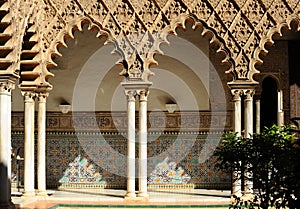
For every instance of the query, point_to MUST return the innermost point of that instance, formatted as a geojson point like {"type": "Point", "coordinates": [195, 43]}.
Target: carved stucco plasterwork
{"type": "Point", "coordinates": [137, 28]}
{"type": "Point", "coordinates": [13, 20]}
{"type": "Point", "coordinates": [18, 18]}
{"type": "Point", "coordinates": [34, 72]}
{"type": "Point", "coordinates": [18, 13]}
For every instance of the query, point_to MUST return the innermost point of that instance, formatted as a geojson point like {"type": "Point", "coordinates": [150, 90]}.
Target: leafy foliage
{"type": "Point", "coordinates": [273, 160]}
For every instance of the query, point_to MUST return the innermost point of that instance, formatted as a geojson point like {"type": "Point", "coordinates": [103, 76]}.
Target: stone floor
{"type": "Point", "coordinates": [108, 198]}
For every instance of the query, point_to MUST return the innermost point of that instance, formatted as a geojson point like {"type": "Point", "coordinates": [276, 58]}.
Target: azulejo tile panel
{"type": "Point", "coordinates": [98, 160]}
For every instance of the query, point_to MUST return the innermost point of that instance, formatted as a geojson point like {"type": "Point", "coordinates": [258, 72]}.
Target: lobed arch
{"type": "Point", "coordinates": [292, 24]}
{"type": "Point", "coordinates": [147, 58]}
{"type": "Point", "coordinates": [219, 50]}
{"type": "Point", "coordinates": [103, 16]}
{"type": "Point", "coordinates": [68, 32]}
{"type": "Point", "coordinates": [214, 39]}
{"type": "Point", "coordinates": [241, 34]}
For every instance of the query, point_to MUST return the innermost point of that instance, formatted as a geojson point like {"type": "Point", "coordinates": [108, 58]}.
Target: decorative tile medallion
{"type": "Point", "coordinates": [81, 173]}
{"type": "Point", "coordinates": [168, 173]}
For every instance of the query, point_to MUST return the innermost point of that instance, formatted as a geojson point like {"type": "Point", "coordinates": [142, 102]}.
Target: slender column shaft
{"type": "Point", "coordinates": [280, 113]}
{"type": "Point", "coordinates": [5, 146]}
{"type": "Point", "coordinates": [236, 175]}
{"type": "Point", "coordinates": [131, 144]}
{"type": "Point", "coordinates": [41, 164]}
{"type": "Point", "coordinates": [29, 144]}
{"type": "Point", "coordinates": [237, 114]}
{"type": "Point", "coordinates": [249, 130]}
{"type": "Point", "coordinates": [143, 145]}
{"type": "Point", "coordinates": [257, 119]}
{"type": "Point", "coordinates": [9, 146]}
{"type": "Point", "coordinates": [248, 113]}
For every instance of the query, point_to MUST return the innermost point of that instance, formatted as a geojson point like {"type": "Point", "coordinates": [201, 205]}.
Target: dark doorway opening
{"type": "Point", "coordinates": [269, 102]}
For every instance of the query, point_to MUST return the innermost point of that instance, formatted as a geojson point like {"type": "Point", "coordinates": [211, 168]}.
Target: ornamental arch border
{"type": "Point", "coordinates": [70, 19]}
{"type": "Point", "coordinates": [268, 40]}
{"type": "Point", "coordinates": [180, 21]}
{"type": "Point", "coordinates": [205, 30]}
{"type": "Point", "coordinates": [69, 33]}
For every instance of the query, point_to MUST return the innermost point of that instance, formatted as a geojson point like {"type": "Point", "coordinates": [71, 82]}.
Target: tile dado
{"type": "Point", "coordinates": [117, 121]}
{"type": "Point", "coordinates": [176, 160]}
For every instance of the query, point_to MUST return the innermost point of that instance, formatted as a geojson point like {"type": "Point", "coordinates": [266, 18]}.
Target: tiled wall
{"type": "Point", "coordinates": [175, 159]}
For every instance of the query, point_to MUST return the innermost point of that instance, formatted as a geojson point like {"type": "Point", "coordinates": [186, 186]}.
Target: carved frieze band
{"type": "Point", "coordinates": [157, 121]}
{"type": "Point", "coordinates": [138, 27]}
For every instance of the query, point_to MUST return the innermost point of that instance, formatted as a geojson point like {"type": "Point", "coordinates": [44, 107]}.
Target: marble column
{"type": "Point", "coordinates": [236, 175]}
{"type": "Point", "coordinates": [257, 117]}
{"type": "Point", "coordinates": [5, 145]}
{"type": "Point", "coordinates": [280, 113]}
{"type": "Point", "coordinates": [143, 144]}
{"type": "Point", "coordinates": [131, 94]}
{"type": "Point", "coordinates": [237, 111]}
{"type": "Point", "coordinates": [248, 112]}
{"type": "Point", "coordinates": [41, 155]}
{"type": "Point", "coordinates": [29, 98]}
{"type": "Point", "coordinates": [248, 104]}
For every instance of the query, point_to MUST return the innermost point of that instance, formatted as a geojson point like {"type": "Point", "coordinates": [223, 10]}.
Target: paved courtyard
{"type": "Point", "coordinates": [108, 198]}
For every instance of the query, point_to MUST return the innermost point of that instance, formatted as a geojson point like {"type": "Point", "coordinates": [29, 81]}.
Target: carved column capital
{"type": "Point", "coordinates": [143, 94]}
{"type": "Point", "coordinates": [29, 96]}
{"type": "Point", "coordinates": [42, 97]}
{"type": "Point", "coordinates": [6, 87]}
{"type": "Point", "coordinates": [131, 94]}
{"type": "Point", "coordinates": [136, 88]}
{"type": "Point", "coordinates": [249, 93]}
{"type": "Point", "coordinates": [236, 94]}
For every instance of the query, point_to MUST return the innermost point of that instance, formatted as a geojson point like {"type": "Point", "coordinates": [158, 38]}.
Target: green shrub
{"type": "Point", "coordinates": [272, 158]}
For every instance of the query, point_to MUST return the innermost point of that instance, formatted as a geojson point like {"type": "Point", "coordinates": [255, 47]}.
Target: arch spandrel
{"type": "Point", "coordinates": [242, 26]}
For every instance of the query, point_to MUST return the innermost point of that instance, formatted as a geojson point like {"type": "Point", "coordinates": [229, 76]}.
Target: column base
{"type": "Point", "coordinates": [42, 193]}
{"type": "Point", "coordinates": [143, 194]}
{"type": "Point", "coordinates": [29, 194]}
{"type": "Point", "coordinates": [130, 194]}
{"type": "Point", "coordinates": [8, 205]}
{"type": "Point", "coordinates": [136, 199]}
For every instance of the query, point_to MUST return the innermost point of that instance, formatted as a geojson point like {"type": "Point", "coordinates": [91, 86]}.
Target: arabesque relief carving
{"type": "Point", "coordinates": [241, 28]}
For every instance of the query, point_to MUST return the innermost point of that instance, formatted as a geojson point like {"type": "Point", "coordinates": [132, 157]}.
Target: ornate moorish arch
{"type": "Point", "coordinates": [59, 18]}
{"type": "Point", "coordinates": [126, 41]}
{"type": "Point", "coordinates": [267, 38]}
{"type": "Point", "coordinates": [242, 25]}
{"type": "Point", "coordinates": [148, 58]}
{"type": "Point", "coordinates": [33, 30]}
